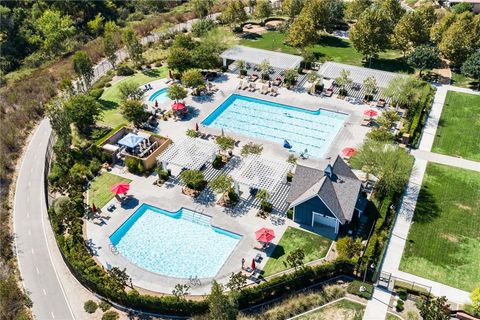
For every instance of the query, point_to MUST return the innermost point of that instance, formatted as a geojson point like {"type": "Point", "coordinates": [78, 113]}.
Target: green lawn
{"type": "Point", "coordinates": [460, 80]}
{"type": "Point", "coordinates": [100, 189]}
{"type": "Point", "coordinates": [459, 127]}
{"type": "Point", "coordinates": [110, 98]}
{"type": "Point", "coordinates": [444, 240]}
{"type": "Point", "coordinates": [331, 49]}
{"type": "Point", "coordinates": [313, 245]}
{"type": "Point", "coordinates": [341, 310]}
{"type": "Point", "coordinates": [391, 317]}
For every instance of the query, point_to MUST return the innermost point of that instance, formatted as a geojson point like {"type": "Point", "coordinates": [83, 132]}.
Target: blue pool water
{"type": "Point", "coordinates": [303, 129]}
{"type": "Point", "coordinates": [176, 244]}
{"type": "Point", "coordinates": [159, 95]}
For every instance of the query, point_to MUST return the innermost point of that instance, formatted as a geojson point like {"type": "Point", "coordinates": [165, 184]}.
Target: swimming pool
{"type": "Point", "coordinates": [176, 244]}
{"type": "Point", "coordinates": [303, 129]}
{"type": "Point", "coordinates": [159, 95]}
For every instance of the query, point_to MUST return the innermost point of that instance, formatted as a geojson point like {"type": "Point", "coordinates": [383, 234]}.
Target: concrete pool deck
{"type": "Point", "coordinates": [242, 221]}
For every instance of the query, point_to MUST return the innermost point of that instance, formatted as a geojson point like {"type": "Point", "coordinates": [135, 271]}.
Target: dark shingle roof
{"type": "Point", "coordinates": [339, 192]}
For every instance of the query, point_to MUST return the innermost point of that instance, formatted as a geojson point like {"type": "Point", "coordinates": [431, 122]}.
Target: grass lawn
{"type": "Point", "coordinates": [461, 80]}
{"type": "Point", "coordinates": [459, 126]}
{"type": "Point", "coordinates": [110, 98]}
{"type": "Point", "coordinates": [444, 240]}
{"type": "Point", "coordinates": [392, 317]}
{"type": "Point", "coordinates": [313, 245]}
{"type": "Point", "coordinates": [331, 49]}
{"type": "Point", "coordinates": [100, 189]}
{"type": "Point", "coordinates": [341, 310]}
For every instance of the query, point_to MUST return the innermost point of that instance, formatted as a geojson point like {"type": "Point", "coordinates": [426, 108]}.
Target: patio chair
{"type": "Point", "coordinates": [240, 85]}
{"type": "Point", "coordinates": [264, 89]}
{"type": "Point", "coordinates": [274, 92]}
{"type": "Point", "coordinates": [252, 87]}
{"type": "Point", "coordinates": [246, 85]}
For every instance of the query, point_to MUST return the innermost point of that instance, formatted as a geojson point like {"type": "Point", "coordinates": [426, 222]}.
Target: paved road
{"type": "Point", "coordinates": [31, 226]}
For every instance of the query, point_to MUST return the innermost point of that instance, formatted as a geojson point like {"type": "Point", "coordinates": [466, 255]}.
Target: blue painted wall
{"type": "Point", "coordinates": [304, 211]}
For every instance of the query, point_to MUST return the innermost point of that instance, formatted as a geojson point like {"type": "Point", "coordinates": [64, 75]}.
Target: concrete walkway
{"type": "Point", "coordinates": [377, 307]}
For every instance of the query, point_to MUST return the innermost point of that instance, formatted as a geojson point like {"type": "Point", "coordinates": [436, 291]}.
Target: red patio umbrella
{"type": "Point", "coordinates": [265, 235]}
{"type": "Point", "coordinates": [370, 113]}
{"type": "Point", "coordinates": [253, 264]}
{"type": "Point", "coordinates": [156, 104]}
{"type": "Point", "coordinates": [94, 208]}
{"type": "Point", "coordinates": [196, 127]}
{"type": "Point", "coordinates": [120, 188]}
{"type": "Point", "coordinates": [177, 106]}
{"type": "Point", "coordinates": [349, 152]}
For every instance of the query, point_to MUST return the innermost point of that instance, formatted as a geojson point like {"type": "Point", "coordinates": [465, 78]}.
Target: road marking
{"type": "Point", "coordinates": [53, 316]}
{"type": "Point", "coordinates": [38, 271]}
{"type": "Point", "coordinates": [29, 232]}
{"type": "Point", "coordinates": [44, 292]}
{"type": "Point", "coordinates": [28, 215]}
{"type": "Point", "coordinates": [33, 251]}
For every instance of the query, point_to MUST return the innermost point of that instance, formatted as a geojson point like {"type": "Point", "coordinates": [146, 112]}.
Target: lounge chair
{"type": "Point", "coordinates": [246, 85]}
{"type": "Point", "coordinates": [252, 87]}
{"type": "Point", "coordinates": [274, 92]}
{"type": "Point", "coordinates": [240, 85]}
{"type": "Point", "coordinates": [264, 89]}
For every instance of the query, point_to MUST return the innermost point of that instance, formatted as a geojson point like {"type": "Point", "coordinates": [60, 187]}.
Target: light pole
{"type": "Point", "coordinates": [372, 266]}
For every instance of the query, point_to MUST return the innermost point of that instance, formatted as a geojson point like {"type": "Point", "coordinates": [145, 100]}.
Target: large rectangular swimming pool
{"type": "Point", "coordinates": [179, 244]}
{"type": "Point", "coordinates": [303, 129]}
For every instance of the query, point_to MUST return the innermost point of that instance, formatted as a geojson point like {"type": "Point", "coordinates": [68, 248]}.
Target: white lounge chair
{"type": "Point", "coordinates": [245, 85]}
{"type": "Point", "coordinates": [240, 85]}
{"type": "Point", "coordinates": [264, 89]}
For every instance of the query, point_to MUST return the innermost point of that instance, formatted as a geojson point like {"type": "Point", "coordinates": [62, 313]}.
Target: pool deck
{"type": "Point", "coordinates": [243, 220]}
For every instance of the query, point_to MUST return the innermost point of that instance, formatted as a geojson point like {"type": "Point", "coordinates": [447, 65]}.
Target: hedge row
{"type": "Point", "coordinates": [420, 118]}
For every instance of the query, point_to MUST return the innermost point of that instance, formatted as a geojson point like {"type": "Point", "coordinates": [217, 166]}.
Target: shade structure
{"type": "Point", "coordinates": [189, 153]}
{"type": "Point", "coordinates": [265, 235]}
{"type": "Point", "coordinates": [349, 152]}
{"type": "Point", "coordinates": [131, 140]}
{"type": "Point", "coordinates": [370, 113]}
{"type": "Point", "coordinates": [120, 188]}
{"type": "Point", "coordinates": [177, 106]}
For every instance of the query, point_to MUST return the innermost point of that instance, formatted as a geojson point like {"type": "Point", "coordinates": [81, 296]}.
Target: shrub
{"type": "Point", "coordinates": [104, 305]}
{"type": "Point", "coordinates": [96, 93]}
{"type": "Point", "coordinates": [233, 196]}
{"type": "Point", "coordinates": [290, 213]}
{"type": "Point", "coordinates": [266, 206]}
{"type": "Point", "coordinates": [124, 71]}
{"type": "Point", "coordinates": [402, 294]}
{"type": "Point", "coordinates": [217, 163]}
{"type": "Point", "coordinates": [201, 27]}
{"type": "Point", "coordinates": [193, 179]}
{"type": "Point", "coordinates": [90, 306]}
{"type": "Point", "coordinates": [193, 133]}
{"type": "Point", "coordinates": [400, 306]}
{"type": "Point", "coordinates": [110, 315]}
{"type": "Point", "coordinates": [134, 166]}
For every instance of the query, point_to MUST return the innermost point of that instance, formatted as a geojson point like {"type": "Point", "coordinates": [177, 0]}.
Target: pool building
{"type": "Point", "coordinates": [330, 198]}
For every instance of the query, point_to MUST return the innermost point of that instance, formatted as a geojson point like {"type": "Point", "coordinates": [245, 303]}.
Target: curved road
{"type": "Point", "coordinates": [32, 228]}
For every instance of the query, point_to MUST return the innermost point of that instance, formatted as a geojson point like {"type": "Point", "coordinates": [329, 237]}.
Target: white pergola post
{"type": "Point", "coordinates": [236, 187]}
{"type": "Point", "coordinates": [224, 62]}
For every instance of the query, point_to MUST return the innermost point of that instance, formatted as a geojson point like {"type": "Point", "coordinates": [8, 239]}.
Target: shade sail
{"type": "Point", "coordinates": [131, 140]}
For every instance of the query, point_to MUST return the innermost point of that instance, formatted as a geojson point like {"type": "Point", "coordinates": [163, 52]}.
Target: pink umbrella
{"type": "Point", "coordinates": [370, 113]}
{"type": "Point", "coordinates": [349, 152]}
{"type": "Point", "coordinates": [177, 106]}
{"type": "Point", "coordinates": [265, 235]}
{"type": "Point", "coordinates": [120, 188]}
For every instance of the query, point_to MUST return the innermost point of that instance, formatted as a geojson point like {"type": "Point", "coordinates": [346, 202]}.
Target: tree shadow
{"type": "Point", "coordinates": [108, 105]}
{"type": "Point", "coordinates": [426, 208]}
{"type": "Point", "coordinates": [278, 252]}
{"type": "Point", "coordinates": [251, 36]}
{"type": "Point", "coordinates": [392, 65]}
{"type": "Point", "coordinates": [331, 41]}
{"type": "Point", "coordinates": [152, 73]}
{"type": "Point", "coordinates": [129, 203]}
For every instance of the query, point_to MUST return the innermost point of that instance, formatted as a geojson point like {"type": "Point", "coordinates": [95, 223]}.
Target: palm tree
{"type": "Point", "coordinates": [222, 184]}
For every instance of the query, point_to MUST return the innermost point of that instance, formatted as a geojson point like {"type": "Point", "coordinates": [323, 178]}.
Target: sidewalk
{"type": "Point", "coordinates": [447, 160]}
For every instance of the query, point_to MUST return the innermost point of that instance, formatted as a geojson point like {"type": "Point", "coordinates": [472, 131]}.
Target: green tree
{"type": "Point", "coordinates": [411, 31]}
{"type": "Point", "coordinates": [263, 9]}
{"type": "Point", "coordinates": [176, 92]}
{"type": "Point", "coordinates": [343, 80]}
{"type": "Point", "coordinates": [52, 33]}
{"type": "Point", "coordinates": [234, 14]}
{"type": "Point", "coordinates": [356, 7]}
{"type": "Point", "coordinates": [369, 35]}
{"type": "Point", "coordinates": [83, 67]}
{"type": "Point", "coordinates": [370, 85]}
{"type": "Point", "coordinates": [380, 134]}
{"type": "Point", "coordinates": [251, 148]}
{"type": "Point", "coordinates": [184, 41]}
{"type": "Point", "coordinates": [180, 290]}
{"type": "Point", "coordinates": [290, 77]}
{"type": "Point", "coordinates": [403, 90]}
{"type": "Point", "coordinates": [95, 26]}
{"type": "Point", "coordinates": [222, 184]}
{"type": "Point", "coordinates": [193, 78]}
{"type": "Point", "coordinates": [265, 69]}
{"type": "Point", "coordinates": [295, 259]}
{"type": "Point", "coordinates": [202, 7]}
{"type": "Point", "coordinates": [442, 26]}
{"type": "Point", "coordinates": [462, 7]}
{"type": "Point", "coordinates": [435, 309]}
{"type": "Point", "coordinates": [130, 91]}
{"type": "Point", "coordinates": [110, 315]}
{"type": "Point", "coordinates": [134, 111]}
{"type": "Point", "coordinates": [388, 118]}
{"type": "Point", "coordinates": [83, 111]}
{"type": "Point", "coordinates": [471, 67]}
{"type": "Point", "coordinates": [348, 248]}
{"type": "Point", "coordinates": [390, 164]}
{"type": "Point", "coordinates": [201, 27]}
{"type": "Point", "coordinates": [302, 32]}
{"type": "Point", "coordinates": [475, 297]}
{"type": "Point", "coordinates": [424, 57]}
{"type": "Point", "coordinates": [221, 306]}
{"type": "Point", "coordinates": [460, 40]}
{"type": "Point", "coordinates": [393, 12]}
{"type": "Point", "coordinates": [110, 42]}
{"type": "Point", "coordinates": [225, 143]}
{"type": "Point", "coordinates": [134, 47]}
{"type": "Point", "coordinates": [193, 179]}
{"type": "Point", "coordinates": [120, 277]}
{"type": "Point", "coordinates": [292, 8]}
{"type": "Point", "coordinates": [237, 281]}
{"type": "Point", "coordinates": [179, 59]}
